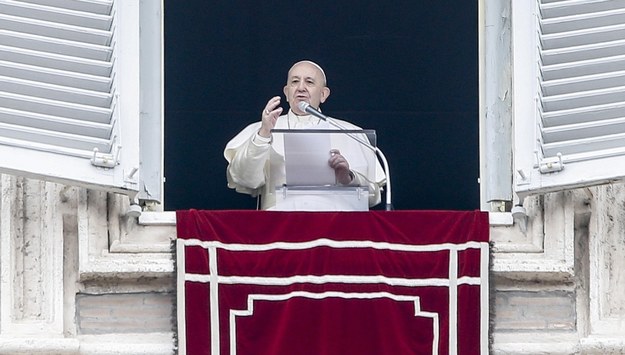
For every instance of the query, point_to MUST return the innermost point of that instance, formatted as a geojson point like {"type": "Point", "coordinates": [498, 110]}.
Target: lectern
{"type": "Point", "coordinates": [310, 182]}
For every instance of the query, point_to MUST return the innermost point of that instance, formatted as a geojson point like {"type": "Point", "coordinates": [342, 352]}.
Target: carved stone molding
{"type": "Point", "coordinates": [607, 261]}
{"type": "Point", "coordinates": [546, 249]}
{"type": "Point", "coordinates": [113, 245]}
{"type": "Point", "coordinates": [31, 258]}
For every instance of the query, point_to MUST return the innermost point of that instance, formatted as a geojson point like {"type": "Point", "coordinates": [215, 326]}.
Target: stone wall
{"type": "Point", "coordinates": [563, 295]}
{"type": "Point", "coordinates": [78, 276]}
{"type": "Point", "coordinates": [125, 313]}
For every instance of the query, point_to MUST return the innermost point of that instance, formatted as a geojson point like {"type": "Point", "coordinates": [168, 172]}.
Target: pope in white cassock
{"type": "Point", "coordinates": [256, 156]}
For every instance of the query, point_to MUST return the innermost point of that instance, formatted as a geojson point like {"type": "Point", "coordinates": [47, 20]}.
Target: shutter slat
{"type": "Point", "coordinates": [583, 21]}
{"type": "Point", "coordinates": [585, 145]}
{"type": "Point", "coordinates": [583, 68]}
{"type": "Point", "coordinates": [583, 52]}
{"type": "Point", "coordinates": [19, 132]}
{"type": "Point", "coordinates": [55, 123]}
{"type": "Point", "coordinates": [584, 83]}
{"type": "Point", "coordinates": [584, 114]}
{"type": "Point", "coordinates": [55, 30]}
{"type": "Point", "coordinates": [584, 36]}
{"type": "Point", "coordinates": [55, 14]}
{"type": "Point", "coordinates": [54, 45]}
{"type": "Point", "coordinates": [56, 61]}
{"type": "Point", "coordinates": [55, 92]}
{"type": "Point", "coordinates": [101, 7]}
{"type": "Point", "coordinates": [584, 130]}
{"type": "Point", "coordinates": [55, 108]}
{"type": "Point", "coordinates": [57, 77]}
{"type": "Point", "coordinates": [584, 99]}
{"type": "Point", "coordinates": [558, 8]}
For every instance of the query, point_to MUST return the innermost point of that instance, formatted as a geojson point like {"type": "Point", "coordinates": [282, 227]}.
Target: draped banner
{"type": "Point", "coordinates": [332, 283]}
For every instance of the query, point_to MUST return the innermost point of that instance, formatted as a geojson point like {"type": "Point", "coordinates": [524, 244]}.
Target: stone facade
{"type": "Point", "coordinates": [77, 276]}
{"type": "Point", "coordinates": [557, 288]}
{"type": "Point", "coordinates": [557, 275]}
{"type": "Point", "coordinates": [80, 277]}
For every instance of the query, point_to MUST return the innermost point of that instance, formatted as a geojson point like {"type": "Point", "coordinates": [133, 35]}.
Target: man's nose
{"type": "Point", "coordinates": [301, 86]}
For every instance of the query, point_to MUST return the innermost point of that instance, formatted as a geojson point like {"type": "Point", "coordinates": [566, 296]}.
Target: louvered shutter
{"type": "Point", "coordinates": [568, 93]}
{"type": "Point", "coordinates": [70, 91]}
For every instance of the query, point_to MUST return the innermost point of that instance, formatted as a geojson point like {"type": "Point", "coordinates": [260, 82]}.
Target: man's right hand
{"type": "Point", "coordinates": [269, 116]}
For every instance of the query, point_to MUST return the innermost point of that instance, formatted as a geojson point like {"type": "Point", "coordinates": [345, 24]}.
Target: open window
{"type": "Point", "coordinates": [81, 93]}
{"type": "Point", "coordinates": [568, 93]}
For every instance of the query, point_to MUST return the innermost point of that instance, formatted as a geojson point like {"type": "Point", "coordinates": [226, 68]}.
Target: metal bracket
{"type": "Point", "coordinates": [105, 160]}
{"type": "Point", "coordinates": [550, 165]}
{"type": "Point", "coordinates": [131, 177]}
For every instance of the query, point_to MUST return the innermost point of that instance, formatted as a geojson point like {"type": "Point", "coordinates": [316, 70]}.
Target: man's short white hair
{"type": "Point", "coordinates": [323, 73]}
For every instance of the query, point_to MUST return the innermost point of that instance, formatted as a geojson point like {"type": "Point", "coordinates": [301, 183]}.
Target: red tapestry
{"type": "Point", "coordinates": [332, 283]}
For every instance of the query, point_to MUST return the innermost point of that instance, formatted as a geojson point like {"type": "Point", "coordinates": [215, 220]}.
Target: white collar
{"type": "Point", "coordinates": [301, 120]}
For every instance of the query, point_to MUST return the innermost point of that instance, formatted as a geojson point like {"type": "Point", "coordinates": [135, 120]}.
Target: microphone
{"type": "Point", "coordinates": [305, 106]}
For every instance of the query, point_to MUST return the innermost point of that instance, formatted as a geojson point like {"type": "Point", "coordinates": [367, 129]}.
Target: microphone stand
{"type": "Point", "coordinates": [376, 150]}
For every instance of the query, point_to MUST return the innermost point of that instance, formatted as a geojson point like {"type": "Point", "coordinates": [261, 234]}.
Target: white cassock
{"type": "Point", "coordinates": [257, 165]}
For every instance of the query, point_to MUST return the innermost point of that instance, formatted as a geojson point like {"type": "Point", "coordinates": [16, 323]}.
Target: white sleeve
{"type": "Point", "coordinates": [247, 155]}
{"type": "Point", "coordinates": [361, 178]}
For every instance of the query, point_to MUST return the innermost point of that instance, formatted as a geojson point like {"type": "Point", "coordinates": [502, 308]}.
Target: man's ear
{"type": "Point", "coordinates": [325, 92]}
{"type": "Point", "coordinates": [285, 93]}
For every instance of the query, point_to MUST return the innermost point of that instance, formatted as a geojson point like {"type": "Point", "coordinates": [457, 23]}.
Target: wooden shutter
{"type": "Point", "coordinates": [569, 93]}
{"type": "Point", "coordinates": [70, 85]}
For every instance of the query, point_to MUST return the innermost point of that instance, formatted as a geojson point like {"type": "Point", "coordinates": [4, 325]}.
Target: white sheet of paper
{"type": "Point", "coordinates": [306, 156]}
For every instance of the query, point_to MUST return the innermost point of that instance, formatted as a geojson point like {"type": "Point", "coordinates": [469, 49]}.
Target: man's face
{"type": "Point", "coordinates": [305, 83]}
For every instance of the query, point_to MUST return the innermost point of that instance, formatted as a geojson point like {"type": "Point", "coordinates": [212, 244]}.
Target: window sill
{"type": "Point", "coordinates": [497, 219]}
{"type": "Point", "coordinates": [168, 218]}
